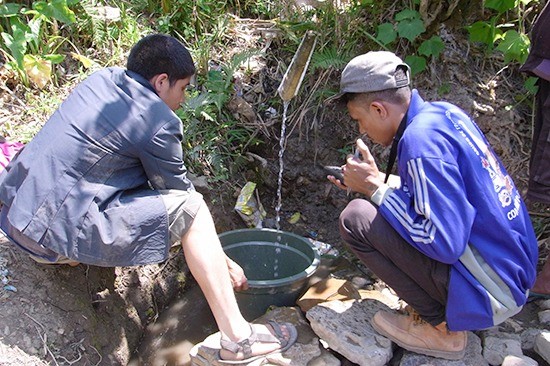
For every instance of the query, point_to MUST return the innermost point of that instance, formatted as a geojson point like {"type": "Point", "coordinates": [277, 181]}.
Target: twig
{"type": "Point", "coordinates": [539, 214]}
{"type": "Point", "coordinates": [71, 362]}
{"type": "Point", "coordinates": [253, 156]}
{"type": "Point", "coordinates": [99, 354]}
{"type": "Point", "coordinates": [43, 338]}
{"type": "Point", "coordinates": [9, 91]}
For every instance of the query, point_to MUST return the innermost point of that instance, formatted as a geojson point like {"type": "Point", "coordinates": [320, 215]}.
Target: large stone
{"type": "Point", "coordinates": [472, 356]}
{"type": "Point", "coordinates": [544, 316]}
{"type": "Point", "coordinates": [519, 361]}
{"type": "Point", "coordinates": [330, 289]}
{"type": "Point", "coordinates": [345, 327]}
{"type": "Point", "coordinates": [544, 305]}
{"type": "Point", "coordinates": [528, 338]}
{"type": "Point", "coordinates": [498, 345]}
{"type": "Point", "coordinates": [542, 345]}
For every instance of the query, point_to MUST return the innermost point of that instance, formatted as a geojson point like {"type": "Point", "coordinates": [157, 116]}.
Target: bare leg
{"type": "Point", "coordinates": [207, 262]}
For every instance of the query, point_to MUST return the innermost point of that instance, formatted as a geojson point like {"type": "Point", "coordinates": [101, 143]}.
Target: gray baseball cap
{"type": "Point", "coordinates": [372, 71]}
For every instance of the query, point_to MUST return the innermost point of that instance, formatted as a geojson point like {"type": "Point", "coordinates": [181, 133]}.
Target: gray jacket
{"type": "Point", "coordinates": [82, 186]}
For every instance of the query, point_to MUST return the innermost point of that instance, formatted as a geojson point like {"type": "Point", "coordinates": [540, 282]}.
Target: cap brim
{"type": "Point", "coordinates": [336, 98]}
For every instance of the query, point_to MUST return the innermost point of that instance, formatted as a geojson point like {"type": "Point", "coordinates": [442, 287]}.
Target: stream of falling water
{"type": "Point", "coordinates": [281, 168]}
{"type": "Point", "coordinates": [280, 190]}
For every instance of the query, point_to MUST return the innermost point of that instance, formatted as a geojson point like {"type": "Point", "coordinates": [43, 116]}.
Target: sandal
{"type": "Point", "coordinates": [245, 346]}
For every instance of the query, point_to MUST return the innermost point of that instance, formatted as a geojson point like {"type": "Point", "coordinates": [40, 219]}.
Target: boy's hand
{"type": "Point", "coordinates": [362, 174]}
{"type": "Point", "coordinates": [236, 273]}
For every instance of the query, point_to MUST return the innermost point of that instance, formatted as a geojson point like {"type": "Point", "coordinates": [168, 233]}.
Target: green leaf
{"type": "Point", "coordinates": [9, 10]}
{"type": "Point", "coordinates": [54, 58]}
{"type": "Point", "coordinates": [386, 33]}
{"type": "Point", "coordinates": [530, 84]}
{"type": "Point", "coordinates": [17, 45]}
{"type": "Point", "coordinates": [56, 9]}
{"type": "Point", "coordinates": [215, 82]}
{"type": "Point", "coordinates": [514, 46]}
{"type": "Point", "coordinates": [432, 47]}
{"type": "Point", "coordinates": [329, 57]}
{"type": "Point", "coordinates": [410, 29]}
{"type": "Point", "coordinates": [444, 89]}
{"type": "Point", "coordinates": [416, 63]}
{"type": "Point", "coordinates": [500, 5]}
{"type": "Point", "coordinates": [484, 32]}
{"type": "Point", "coordinates": [407, 14]}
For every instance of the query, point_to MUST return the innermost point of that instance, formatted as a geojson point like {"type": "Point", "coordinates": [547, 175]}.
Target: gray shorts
{"type": "Point", "coordinates": [181, 207]}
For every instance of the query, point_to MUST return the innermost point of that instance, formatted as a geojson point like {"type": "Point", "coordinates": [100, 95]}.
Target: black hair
{"type": "Point", "coordinates": [159, 53]}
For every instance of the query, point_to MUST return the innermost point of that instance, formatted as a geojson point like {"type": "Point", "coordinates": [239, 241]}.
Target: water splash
{"type": "Point", "coordinates": [281, 169]}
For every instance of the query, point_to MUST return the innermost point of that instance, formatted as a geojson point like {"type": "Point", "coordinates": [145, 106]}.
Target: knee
{"type": "Point", "coordinates": [355, 219]}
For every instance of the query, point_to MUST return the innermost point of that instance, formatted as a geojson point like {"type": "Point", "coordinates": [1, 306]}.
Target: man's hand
{"type": "Point", "coordinates": [236, 273]}
{"type": "Point", "coordinates": [361, 174]}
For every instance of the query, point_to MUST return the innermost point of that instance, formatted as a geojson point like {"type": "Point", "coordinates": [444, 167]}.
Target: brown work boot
{"type": "Point", "coordinates": [413, 334]}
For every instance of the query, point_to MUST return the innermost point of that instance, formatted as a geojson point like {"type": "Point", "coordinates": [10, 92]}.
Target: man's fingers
{"type": "Point", "coordinates": [361, 146]}
{"type": "Point", "coordinates": [364, 149]}
{"type": "Point", "coordinates": [338, 183]}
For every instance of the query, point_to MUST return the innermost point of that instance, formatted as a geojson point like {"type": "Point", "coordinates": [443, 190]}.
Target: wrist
{"type": "Point", "coordinates": [381, 193]}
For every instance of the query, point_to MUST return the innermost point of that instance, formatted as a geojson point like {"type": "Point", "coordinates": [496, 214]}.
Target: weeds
{"type": "Point", "coordinates": [31, 37]}
{"type": "Point", "coordinates": [214, 139]}
{"type": "Point", "coordinates": [37, 40]}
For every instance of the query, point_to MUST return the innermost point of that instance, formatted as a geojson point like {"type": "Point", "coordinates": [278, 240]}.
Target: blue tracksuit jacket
{"type": "Point", "coordinates": [458, 205]}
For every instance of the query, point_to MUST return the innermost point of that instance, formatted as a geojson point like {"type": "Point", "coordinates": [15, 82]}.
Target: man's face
{"type": "Point", "coordinates": [174, 95]}
{"type": "Point", "coordinates": [373, 120]}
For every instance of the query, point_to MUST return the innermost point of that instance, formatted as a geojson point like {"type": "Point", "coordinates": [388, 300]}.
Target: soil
{"type": "Point", "coordinates": [85, 315]}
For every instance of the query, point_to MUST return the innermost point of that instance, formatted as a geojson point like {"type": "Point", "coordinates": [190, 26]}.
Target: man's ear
{"type": "Point", "coordinates": [160, 82]}
{"type": "Point", "coordinates": [379, 109]}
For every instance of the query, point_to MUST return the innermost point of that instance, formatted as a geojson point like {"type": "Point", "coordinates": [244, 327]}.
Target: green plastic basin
{"type": "Point", "coordinates": [278, 265]}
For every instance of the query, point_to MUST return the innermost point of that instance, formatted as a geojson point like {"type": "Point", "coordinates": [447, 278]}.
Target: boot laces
{"type": "Point", "coordinates": [417, 319]}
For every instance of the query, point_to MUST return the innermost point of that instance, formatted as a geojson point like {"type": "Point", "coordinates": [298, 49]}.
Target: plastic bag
{"type": "Point", "coordinates": [249, 207]}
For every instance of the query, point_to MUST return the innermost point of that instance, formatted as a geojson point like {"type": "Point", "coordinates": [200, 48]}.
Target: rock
{"type": "Point", "coordinates": [542, 345]}
{"type": "Point", "coordinates": [200, 182]}
{"type": "Point", "coordinates": [513, 326]}
{"type": "Point", "coordinates": [242, 110]}
{"type": "Point", "coordinates": [498, 345]}
{"type": "Point", "coordinates": [519, 361]}
{"type": "Point", "coordinates": [473, 356]}
{"type": "Point", "coordinates": [327, 290]}
{"type": "Point", "coordinates": [544, 305]}
{"type": "Point", "coordinates": [14, 356]}
{"type": "Point", "coordinates": [528, 337]}
{"type": "Point", "coordinates": [544, 316]}
{"type": "Point", "coordinates": [345, 327]}
{"type": "Point", "coordinates": [326, 359]}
